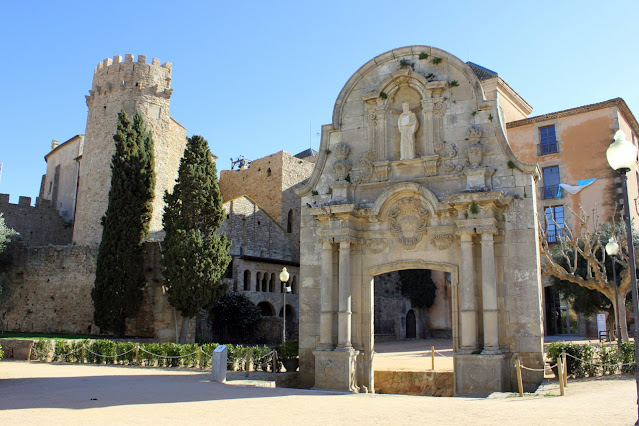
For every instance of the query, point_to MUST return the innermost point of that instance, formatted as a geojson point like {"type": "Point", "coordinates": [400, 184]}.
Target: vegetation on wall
{"type": "Point", "coordinates": [119, 278]}
{"type": "Point", "coordinates": [418, 286]}
{"type": "Point", "coordinates": [194, 255]}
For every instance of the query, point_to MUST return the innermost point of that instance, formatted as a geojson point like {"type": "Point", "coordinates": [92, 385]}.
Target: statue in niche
{"type": "Point", "coordinates": [408, 125]}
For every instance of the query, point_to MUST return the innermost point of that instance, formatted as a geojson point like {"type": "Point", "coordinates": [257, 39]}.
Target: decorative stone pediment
{"type": "Point", "coordinates": [408, 221]}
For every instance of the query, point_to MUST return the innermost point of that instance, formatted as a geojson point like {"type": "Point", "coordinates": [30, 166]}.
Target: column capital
{"type": "Point", "coordinates": [487, 232]}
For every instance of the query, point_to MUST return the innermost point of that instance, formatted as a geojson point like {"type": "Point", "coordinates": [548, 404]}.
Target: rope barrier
{"type": "Point", "coordinates": [537, 369]}
{"type": "Point", "coordinates": [600, 365]}
{"type": "Point", "coordinates": [168, 356]}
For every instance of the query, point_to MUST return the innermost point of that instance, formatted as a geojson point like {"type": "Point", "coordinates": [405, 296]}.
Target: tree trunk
{"type": "Point", "coordinates": [184, 330]}
{"type": "Point", "coordinates": [622, 319]}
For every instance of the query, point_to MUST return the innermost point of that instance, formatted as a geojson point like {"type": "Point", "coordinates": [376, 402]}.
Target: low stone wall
{"type": "Point", "coordinates": [424, 383]}
{"type": "Point", "coordinates": [16, 348]}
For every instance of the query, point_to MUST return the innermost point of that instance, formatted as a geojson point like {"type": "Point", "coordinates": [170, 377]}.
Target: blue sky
{"type": "Point", "coordinates": [251, 77]}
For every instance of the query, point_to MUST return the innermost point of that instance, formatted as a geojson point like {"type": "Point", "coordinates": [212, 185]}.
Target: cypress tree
{"type": "Point", "coordinates": [194, 254]}
{"type": "Point", "coordinates": [119, 277]}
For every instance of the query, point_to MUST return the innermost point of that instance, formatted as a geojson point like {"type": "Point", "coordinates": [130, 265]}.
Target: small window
{"type": "Point", "coordinates": [551, 187]}
{"type": "Point", "coordinates": [247, 280]}
{"type": "Point", "coordinates": [289, 222]}
{"type": "Point", "coordinates": [229, 270]}
{"type": "Point", "coordinates": [268, 172]}
{"type": "Point", "coordinates": [554, 223]}
{"type": "Point", "coordinates": [547, 140]}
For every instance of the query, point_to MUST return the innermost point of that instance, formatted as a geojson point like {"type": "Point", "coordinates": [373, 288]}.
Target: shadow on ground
{"type": "Point", "coordinates": [94, 391]}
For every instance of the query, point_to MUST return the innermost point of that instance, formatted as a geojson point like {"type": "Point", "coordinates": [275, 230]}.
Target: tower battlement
{"type": "Point", "coordinates": [116, 75]}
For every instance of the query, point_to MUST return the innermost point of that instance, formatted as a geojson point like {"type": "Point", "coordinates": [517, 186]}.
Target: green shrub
{"type": "Point", "coordinates": [288, 349]}
{"type": "Point", "coordinates": [1, 353]}
{"type": "Point", "coordinates": [106, 349]}
{"type": "Point", "coordinates": [126, 352]}
{"type": "Point", "coordinates": [627, 356]}
{"type": "Point", "coordinates": [43, 348]}
{"type": "Point", "coordinates": [171, 350]}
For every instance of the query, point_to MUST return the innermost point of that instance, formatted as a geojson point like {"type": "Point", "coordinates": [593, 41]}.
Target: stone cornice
{"type": "Point", "coordinates": [616, 102]}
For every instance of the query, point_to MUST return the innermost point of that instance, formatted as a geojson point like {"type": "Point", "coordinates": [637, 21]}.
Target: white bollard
{"type": "Point", "coordinates": [218, 364]}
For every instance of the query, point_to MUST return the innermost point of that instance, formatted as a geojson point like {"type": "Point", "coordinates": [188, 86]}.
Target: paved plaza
{"type": "Point", "coordinates": [39, 393]}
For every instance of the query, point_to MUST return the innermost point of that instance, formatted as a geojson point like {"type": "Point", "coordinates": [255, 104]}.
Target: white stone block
{"type": "Point", "coordinates": [218, 364]}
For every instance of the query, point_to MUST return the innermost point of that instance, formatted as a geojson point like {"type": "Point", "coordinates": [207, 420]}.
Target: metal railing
{"type": "Point", "coordinates": [551, 191]}
{"type": "Point", "coordinates": [547, 148]}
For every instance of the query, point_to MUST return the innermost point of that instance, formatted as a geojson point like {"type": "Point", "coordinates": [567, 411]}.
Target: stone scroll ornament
{"type": "Point", "coordinates": [408, 221]}
{"type": "Point", "coordinates": [342, 166]}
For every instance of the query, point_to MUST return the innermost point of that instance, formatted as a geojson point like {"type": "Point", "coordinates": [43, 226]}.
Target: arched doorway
{"type": "Point", "coordinates": [411, 325]}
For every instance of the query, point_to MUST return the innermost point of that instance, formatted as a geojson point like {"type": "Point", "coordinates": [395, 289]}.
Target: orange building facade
{"type": "Point", "coordinates": [570, 149]}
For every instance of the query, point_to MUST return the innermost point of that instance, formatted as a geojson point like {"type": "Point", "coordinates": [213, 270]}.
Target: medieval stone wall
{"type": "Point", "coordinates": [49, 291]}
{"type": "Point", "coordinates": [38, 226]}
{"type": "Point", "coordinates": [271, 181]}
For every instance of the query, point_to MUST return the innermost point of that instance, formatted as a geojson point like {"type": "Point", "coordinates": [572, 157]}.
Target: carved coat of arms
{"type": "Point", "coordinates": [408, 221]}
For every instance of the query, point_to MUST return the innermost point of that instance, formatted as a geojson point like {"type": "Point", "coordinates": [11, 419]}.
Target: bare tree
{"type": "Point", "coordinates": [580, 258]}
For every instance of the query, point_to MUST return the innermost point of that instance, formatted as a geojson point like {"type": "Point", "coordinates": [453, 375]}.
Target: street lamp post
{"type": "Point", "coordinates": [612, 248]}
{"type": "Point", "coordinates": [621, 156]}
{"type": "Point", "coordinates": [286, 289]}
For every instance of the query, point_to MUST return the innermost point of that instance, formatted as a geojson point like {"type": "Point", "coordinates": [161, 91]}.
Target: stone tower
{"type": "Point", "coordinates": [132, 86]}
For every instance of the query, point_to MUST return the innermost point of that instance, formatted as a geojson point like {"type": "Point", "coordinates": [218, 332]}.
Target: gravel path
{"type": "Point", "coordinates": [38, 393]}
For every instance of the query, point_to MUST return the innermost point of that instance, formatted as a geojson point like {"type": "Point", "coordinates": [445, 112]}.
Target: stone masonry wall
{"type": "Point", "coordinates": [254, 232]}
{"type": "Point", "coordinates": [424, 383]}
{"type": "Point", "coordinates": [38, 226]}
{"type": "Point", "coordinates": [50, 292]}
{"type": "Point", "coordinates": [270, 181]}
{"type": "Point", "coordinates": [132, 86]}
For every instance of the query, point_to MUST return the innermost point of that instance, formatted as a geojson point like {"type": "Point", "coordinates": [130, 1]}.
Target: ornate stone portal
{"type": "Point", "coordinates": [413, 174]}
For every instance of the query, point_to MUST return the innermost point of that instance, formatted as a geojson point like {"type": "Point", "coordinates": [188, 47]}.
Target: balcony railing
{"type": "Point", "coordinates": [547, 148]}
{"type": "Point", "coordinates": [551, 191]}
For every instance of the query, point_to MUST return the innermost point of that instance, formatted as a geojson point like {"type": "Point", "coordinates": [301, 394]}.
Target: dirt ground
{"type": "Point", "coordinates": [39, 393]}
{"type": "Point", "coordinates": [413, 355]}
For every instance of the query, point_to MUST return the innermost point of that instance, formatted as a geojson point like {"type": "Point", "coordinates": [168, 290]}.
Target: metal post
{"type": "Point", "coordinates": [614, 280]}
{"type": "Point", "coordinates": [633, 274]}
{"type": "Point", "coordinates": [284, 312]}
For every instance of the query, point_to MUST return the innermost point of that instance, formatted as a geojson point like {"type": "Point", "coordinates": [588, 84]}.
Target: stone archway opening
{"type": "Point", "coordinates": [413, 314]}
{"type": "Point", "coordinates": [266, 309]}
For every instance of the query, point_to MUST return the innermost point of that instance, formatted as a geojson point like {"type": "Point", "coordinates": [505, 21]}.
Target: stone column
{"type": "Point", "coordinates": [489, 293]}
{"type": "Point", "coordinates": [427, 127]}
{"type": "Point", "coordinates": [467, 294]}
{"type": "Point", "coordinates": [344, 314]}
{"type": "Point", "coordinates": [326, 298]}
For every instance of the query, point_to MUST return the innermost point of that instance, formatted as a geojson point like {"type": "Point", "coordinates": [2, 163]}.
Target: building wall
{"type": "Point", "coordinates": [254, 232]}
{"type": "Point", "coordinates": [38, 225]}
{"type": "Point", "coordinates": [271, 181]}
{"type": "Point", "coordinates": [583, 138]}
{"type": "Point", "coordinates": [60, 182]}
{"type": "Point", "coordinates": [262, 182]}
{"type": "Point", "coordinates": [50, 292]}
{"type": "Point", "coordinates": [132, 86]}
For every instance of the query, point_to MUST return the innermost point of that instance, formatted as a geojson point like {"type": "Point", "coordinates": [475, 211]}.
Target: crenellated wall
{"type": "Point", "coordinates": [38, 225]}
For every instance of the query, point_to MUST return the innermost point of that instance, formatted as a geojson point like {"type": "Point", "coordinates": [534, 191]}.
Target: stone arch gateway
{"type": "Point", "coordinates": [454, 198]}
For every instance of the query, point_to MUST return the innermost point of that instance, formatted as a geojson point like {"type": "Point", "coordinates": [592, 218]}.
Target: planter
{"type": "Point", "coordinates": [291, 364]}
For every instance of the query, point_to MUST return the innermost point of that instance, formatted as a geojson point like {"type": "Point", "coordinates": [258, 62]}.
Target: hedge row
{"type": "Point", "coordinates": [594, 360]}
{"type": "Point", "coordinates": [124, 353]}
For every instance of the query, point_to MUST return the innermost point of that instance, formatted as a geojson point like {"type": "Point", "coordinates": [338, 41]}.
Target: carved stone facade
{"type": "Point", "coordinates": [438, 209]}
